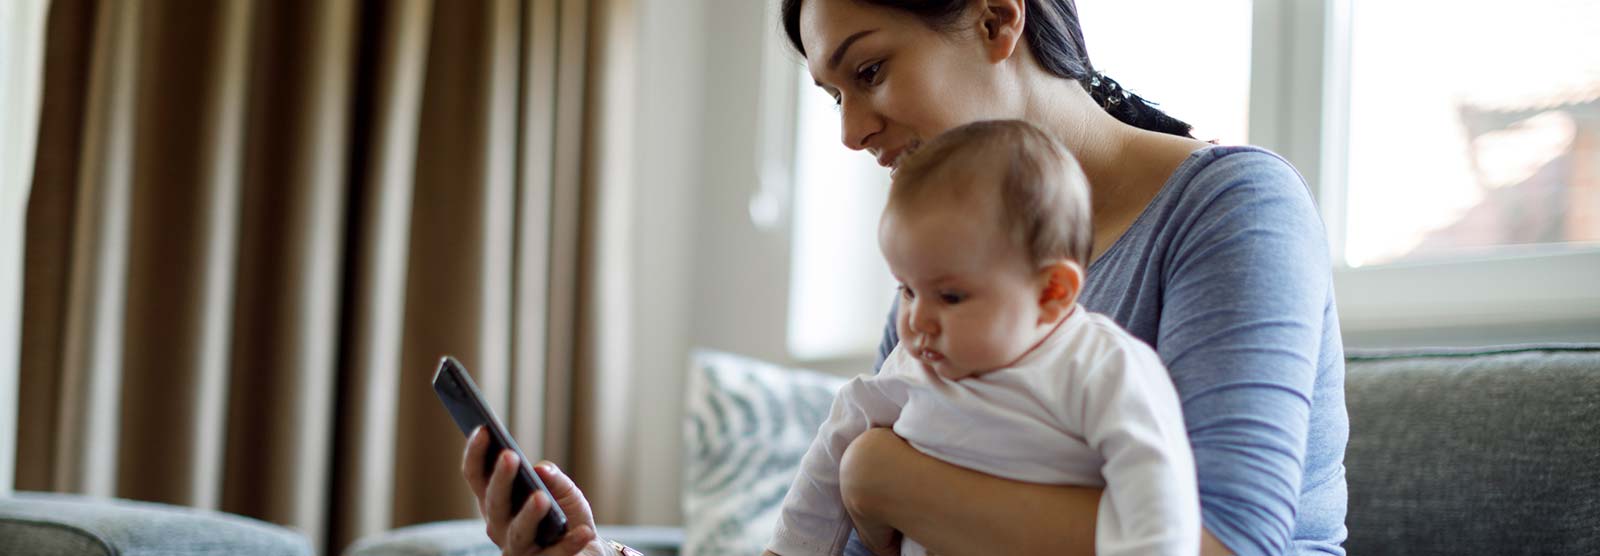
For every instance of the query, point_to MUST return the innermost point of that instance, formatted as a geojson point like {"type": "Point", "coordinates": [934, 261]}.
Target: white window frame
{"type": "Point", "coordinates": [1299, 108]}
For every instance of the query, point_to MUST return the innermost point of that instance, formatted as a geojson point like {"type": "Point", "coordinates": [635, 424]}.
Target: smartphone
{"type": "Point", "coordinates": [467, 407]}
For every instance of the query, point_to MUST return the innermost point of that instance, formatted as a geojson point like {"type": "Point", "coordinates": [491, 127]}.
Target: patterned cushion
{"type": "Point", "coordinates": [748, 424]}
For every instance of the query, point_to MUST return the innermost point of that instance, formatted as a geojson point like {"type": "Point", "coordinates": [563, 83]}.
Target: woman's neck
{"type": "Point", "coordinates": [1101, 144]}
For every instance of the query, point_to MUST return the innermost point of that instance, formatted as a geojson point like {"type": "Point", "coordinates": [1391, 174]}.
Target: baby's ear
{"type": "Point", "coordinates": [1059, 283]}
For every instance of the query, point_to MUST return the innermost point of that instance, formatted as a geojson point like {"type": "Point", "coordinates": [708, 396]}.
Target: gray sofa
{"type": "Point", "coordinates": [45, 524]}
{"type": "Point", "coordinates": [1474, 451]}
{"type": "Point", "coordinates": [1490, 451]}
{"type": "Point", "coordinates": [1485, 451]}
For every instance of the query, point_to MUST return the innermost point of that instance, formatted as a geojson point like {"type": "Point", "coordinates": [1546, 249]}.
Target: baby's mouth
{"type": "Point", "coordinates": [929, 355]}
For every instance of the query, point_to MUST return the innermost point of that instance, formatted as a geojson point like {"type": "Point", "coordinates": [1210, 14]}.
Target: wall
{"type": "Point", "coordinates": [741, 285]}
{"type": "Point", "coordinates": [706, 276]}
{"type": "Point", "coordinates": [669, 65]}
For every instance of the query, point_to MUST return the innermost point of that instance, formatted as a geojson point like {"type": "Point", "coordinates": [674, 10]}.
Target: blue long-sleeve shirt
{"type": "Point", "coordinates": [1226, 274]}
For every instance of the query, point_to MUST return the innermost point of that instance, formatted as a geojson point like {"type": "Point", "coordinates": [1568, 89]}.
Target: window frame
{"type": "Point", "coordinates": [1299, 108]}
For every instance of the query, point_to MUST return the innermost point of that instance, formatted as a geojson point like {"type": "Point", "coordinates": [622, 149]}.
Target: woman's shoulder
{"type": "Point", "coordinates": [1222, 170]}
{"type": "Point", "coordinates": [1235, 186]}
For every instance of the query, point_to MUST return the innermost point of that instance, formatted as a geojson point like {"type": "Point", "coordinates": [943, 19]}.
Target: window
{"type": "Point", "coordinates": [1474, 129]}
{"type": "Point", "coordinates": [1211, 93]}
{"type": "Point", "coordinates": [1447, 144]}
{"type": "Point", "coordinates": [839, 287]}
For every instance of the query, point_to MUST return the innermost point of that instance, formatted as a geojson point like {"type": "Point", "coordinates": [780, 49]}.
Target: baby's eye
{"type": "Point", "coordinates": [906, 292]}
{"type": "Point", "coordinates": [952, 298]}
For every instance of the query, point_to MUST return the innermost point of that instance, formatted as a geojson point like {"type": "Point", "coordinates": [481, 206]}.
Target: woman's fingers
{"type": "Point", "coordinates": [472, 462]}
{"type": "Point", "coordinates": [525, 526]}
{"type": "Point", "coordinates": [498, 496]}
{"type": "Point", "coordinates": [524, 529]}
{"type": "Point", "coordinates": [565, 492]}
{"type": "Point", "coordinates": [472, 459]}
{"type": "Point", "coordinates": [575, 541]}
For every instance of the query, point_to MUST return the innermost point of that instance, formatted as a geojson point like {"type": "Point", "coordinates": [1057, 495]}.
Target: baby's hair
{"type": "Point", "coordinates": [1044, 194]}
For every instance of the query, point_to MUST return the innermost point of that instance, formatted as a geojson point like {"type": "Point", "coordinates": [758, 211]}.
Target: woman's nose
{"type": "Point", "coordinates": [857, 124]}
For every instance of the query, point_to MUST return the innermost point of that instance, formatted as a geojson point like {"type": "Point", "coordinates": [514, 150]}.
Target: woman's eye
{"type": "Point", "coordinates": [869, 75]}
{"type": "Point", "coordinates": [952, 298]}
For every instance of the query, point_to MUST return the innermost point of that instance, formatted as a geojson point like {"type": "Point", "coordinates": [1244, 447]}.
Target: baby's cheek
{"type": "Point", "coordinates": [993, 344]}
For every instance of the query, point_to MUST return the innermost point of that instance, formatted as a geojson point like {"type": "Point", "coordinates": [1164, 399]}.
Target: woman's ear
{"type": "Point", "coordinates": [1060, 282]}
{"type": "Point", "coordinates": [1000, 27]}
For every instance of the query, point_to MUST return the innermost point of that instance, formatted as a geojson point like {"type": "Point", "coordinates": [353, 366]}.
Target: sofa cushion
{"type": "Point", "coordinates": [1492, 451]}
{"type": "Point", "coordinates": [748, 424]}
{"type": "Point", "coordinates": [465, 537]}
{"type": "Point", "coordinates": [47, 524]}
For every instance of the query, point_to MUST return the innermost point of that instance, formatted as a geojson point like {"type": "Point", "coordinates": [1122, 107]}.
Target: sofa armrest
{"type": "Point", "coordinates": [651, 540]}
{"type": "Point", "coordinates": [49, 523]}
{"type": "Point", "coordinates": [465, 538]}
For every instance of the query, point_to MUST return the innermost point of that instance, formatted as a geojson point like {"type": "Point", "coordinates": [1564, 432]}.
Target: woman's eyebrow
{"type": "Point", "coordinates": [838, 52]}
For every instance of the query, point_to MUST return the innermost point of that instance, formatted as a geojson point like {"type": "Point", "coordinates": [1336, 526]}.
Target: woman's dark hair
{"type": "Point", "coordinates": [1056, 40]}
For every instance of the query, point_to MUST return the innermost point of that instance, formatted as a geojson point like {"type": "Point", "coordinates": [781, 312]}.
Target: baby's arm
{"type": "Point", "coordinates": [814, 519]}
{"type": "Point", "coordinates": [1131, 415]}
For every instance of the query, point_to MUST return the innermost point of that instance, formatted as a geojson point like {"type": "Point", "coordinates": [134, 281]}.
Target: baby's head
{"type": "Point", "coordinates": [987, 230]}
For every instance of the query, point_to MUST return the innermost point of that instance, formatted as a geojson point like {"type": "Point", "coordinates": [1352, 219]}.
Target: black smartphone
{"type": "Point", "coordinates": [466, 406]}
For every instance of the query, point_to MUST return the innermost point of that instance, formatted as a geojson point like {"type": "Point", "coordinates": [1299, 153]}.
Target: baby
{"type": "Point", "coordinates": [999, 369]}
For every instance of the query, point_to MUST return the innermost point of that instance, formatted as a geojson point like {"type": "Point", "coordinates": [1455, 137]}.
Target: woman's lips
{"type": "Point", "coordinates": [891, 158]}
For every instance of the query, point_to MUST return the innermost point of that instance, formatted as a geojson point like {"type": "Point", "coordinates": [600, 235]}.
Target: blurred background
{"type": "Point", "coordinates": [236, 236]}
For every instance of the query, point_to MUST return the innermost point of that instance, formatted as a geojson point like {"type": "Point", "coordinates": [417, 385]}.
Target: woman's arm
{"type": "Point", "coordinates": [885, 480]}
{"type": "Point", "coordinates": [1245, 318]}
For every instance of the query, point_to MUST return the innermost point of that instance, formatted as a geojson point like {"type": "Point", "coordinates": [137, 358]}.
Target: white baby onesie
{"type": "Point", "coordinates": [1090, 406]}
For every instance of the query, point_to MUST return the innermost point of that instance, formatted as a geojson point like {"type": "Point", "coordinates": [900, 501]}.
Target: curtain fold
{"type": "Point", "coordinates": [255, 227]}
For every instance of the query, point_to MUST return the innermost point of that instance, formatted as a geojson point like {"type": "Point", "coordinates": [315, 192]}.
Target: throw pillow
{"type": "Point", "coordinates": [749, 422]}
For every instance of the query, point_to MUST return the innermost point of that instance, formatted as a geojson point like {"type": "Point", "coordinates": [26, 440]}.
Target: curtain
{"type": "Point", "coordinates": [21, 58]}
{"type": "Point", "coordinates": [255, 226]}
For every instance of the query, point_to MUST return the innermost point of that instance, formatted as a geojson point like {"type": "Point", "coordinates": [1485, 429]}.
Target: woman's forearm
{"type": "Point", "coordinates": [955, 511]}
{"type": "Point", "coordinates": [884, 478]}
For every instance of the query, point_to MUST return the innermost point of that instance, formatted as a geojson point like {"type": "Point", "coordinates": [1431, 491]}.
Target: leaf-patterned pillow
{"type": "Point", "coordinates": [749, 422]}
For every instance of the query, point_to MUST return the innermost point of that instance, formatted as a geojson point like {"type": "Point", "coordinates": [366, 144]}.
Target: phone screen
{"type": "Point", "coordinates": [469, 410]}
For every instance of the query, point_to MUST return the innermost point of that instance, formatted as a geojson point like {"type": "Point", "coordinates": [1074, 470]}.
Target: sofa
{"type": "Point", "coordinates": [1470, 451]}
{"type": "Point", "coordinates": [1452, 451]}
{"type": "Point", "coordinates": [48, 524]}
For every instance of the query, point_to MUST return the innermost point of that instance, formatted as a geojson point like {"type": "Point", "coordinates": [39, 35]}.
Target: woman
{"type": "Point", "coordinates": [1213, 255]}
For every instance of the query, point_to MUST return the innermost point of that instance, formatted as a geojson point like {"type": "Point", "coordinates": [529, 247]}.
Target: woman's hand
{"type": "Point", "coordinates": [514, 534]}
{"type": "Point", "coordinates": [878, 536]}
{"type": "Point", "coordinates": [857, 485]}
{"type": "Point", "coordinates": [884, 480]}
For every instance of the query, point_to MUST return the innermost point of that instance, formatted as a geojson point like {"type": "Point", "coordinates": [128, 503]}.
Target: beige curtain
{"type": "Point", "coordinates": [255, 225]}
